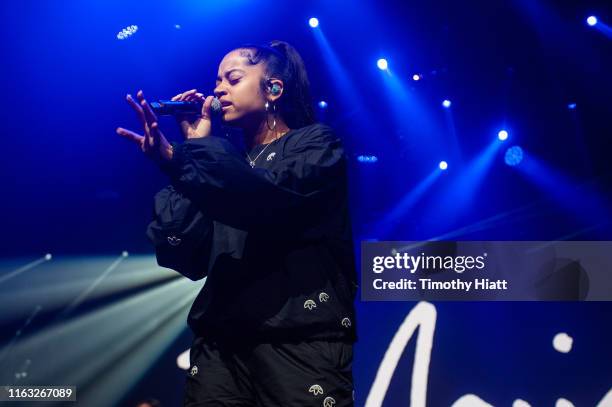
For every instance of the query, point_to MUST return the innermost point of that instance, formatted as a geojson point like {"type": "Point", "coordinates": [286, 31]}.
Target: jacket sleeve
{"type": "Point", "coordinates": [212, 172]}
{"type": "Point", "coordinates": [181, 234]}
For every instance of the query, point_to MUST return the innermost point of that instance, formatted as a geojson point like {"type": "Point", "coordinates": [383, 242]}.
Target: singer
{"type": "Point", "coordinates": [266, 221]}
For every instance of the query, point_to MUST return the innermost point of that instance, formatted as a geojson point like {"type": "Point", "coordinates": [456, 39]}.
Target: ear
{"type": "Point", "coordinates": [275, 88]}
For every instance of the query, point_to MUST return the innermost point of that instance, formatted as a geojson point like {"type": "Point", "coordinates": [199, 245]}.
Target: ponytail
{"type": "Point", "coordinates": [283, 62]}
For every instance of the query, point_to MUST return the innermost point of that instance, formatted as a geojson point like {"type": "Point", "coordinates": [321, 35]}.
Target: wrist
{"type": "Point", "coordinates": [168, 165]}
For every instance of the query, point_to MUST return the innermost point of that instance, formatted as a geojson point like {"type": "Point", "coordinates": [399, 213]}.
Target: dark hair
{"type": "Point", "coordinates": [283, 62]}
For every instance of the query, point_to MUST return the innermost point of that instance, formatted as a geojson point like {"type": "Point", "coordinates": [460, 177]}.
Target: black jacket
{"type": "Point", "coordinates": [274, 241]}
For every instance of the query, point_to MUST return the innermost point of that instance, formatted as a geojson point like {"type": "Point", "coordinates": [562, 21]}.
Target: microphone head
{"type": "Point", "coordinates": [215, 106]}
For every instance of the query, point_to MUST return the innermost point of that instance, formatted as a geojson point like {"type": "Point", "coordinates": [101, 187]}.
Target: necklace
{"type": "Point", "coordinates": [252, 160]}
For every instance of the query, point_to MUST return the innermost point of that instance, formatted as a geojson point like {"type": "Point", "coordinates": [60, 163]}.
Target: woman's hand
{"type": "Point", "coordinates": [195, 126]}
{"type": "Point", "coordinates": [152, 142]}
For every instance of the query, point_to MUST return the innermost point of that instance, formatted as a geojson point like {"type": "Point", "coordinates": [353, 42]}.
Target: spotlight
{"type": "Point", "coordinates": [416, 77]}
{"type": "Point", "coordinates": [367, 158]}
{"type": "Point", "coordinates": [382, 64]}
{"type": "Point", "coordinates": [446, 103]}
{"type": "Point", "coordinates": [443, 165]}
{"type": "Point", "coordinates": [322, 104]}
{"type": "Point", "coordinates": [502, 135]}
{"type": "Point", "coordinates": [313, 22]}
{"type": "Point", "coordinates": [127, 32]}
{"type": "Point", "coordinates": [125, 253]}
{"type": "Point", "coordinates": [177, 26]}
{"type": "Point", "coordinates": [48, 256]}
{"type": "Point", "coordinates": [513, 156]}
{"type": "Point", "coordinates": [592, 20]}
{"type": "Point", "coordinates": [571, 106]}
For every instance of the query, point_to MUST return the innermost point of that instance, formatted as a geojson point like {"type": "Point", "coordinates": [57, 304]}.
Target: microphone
{"type": "Point", "coordinates": [172, 108]}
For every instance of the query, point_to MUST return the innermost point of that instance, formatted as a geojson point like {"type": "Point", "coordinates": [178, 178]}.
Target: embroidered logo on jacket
{"type": "Point", "coordinates": [346, 322]}
{"type": "Point", "coordinates": [174, 241]}
{"type": "Point", "coordinates": [315, 389]}
{"type": "Point", "coordinates": [194, 370]}
{"type": "Point", "coordinates": [323, 297]}
{"type": "Point", "coordinates": [310, 304]}
{"type": "Point", "coordinates": [270, 156]}
{"type": "Point", "coordinates": [329, 402]}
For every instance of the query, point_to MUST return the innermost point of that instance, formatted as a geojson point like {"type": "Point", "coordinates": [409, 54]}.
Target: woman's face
{"type": "Point", "coordinates": [238, 87]}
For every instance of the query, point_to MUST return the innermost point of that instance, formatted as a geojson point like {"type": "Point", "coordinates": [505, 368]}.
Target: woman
{"type": "Point", "coordinates": [269, 227]}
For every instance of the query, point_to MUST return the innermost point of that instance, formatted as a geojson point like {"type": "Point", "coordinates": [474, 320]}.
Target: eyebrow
{"type": "Point", "coordinates": [227, 73]}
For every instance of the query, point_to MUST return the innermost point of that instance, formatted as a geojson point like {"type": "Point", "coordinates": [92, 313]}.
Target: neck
{"type": "Point", "coordinates": [261, 133]}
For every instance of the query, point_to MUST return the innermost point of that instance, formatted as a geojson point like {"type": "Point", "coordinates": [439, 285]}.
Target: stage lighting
{"type": "Point", "coordinates": [502, 135]}
{"type": "Point", "coordinates": [48, 256]}
{"type": "Point", "coordinates": [513, 156]}
{"type": "Point", "coordinates": [322, 104]}
{"type": "Point", "coordinates": [571, 106]}
{"type": "Point", "coordinates": [313, 22]}
{"type": "Point", "coordinates": [446, 103]}
{"type": "Point", "coordinates": [592, 20]}
{"type": "Point", "coordinates": [367, 158]}
{"type": "Point", "coordinates": [127, 32]}
{"type": "Point", "coordinates": [443, 165]}
{"type": "Point", "coordinates": [382, 64]}
{"type": "Point", "coordinates": [416, 77]}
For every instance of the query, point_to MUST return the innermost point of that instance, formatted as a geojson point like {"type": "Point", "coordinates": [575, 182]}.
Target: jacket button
{"type": "Point", "coordinates": [174, 241]}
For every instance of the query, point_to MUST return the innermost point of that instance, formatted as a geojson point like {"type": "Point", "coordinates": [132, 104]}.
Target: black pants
{"type": "Point", "coordinates": [313, 373]}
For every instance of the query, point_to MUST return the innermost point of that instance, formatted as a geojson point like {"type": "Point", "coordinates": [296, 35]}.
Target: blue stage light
{"type": "Point", "coordinates": [443, 165]}
{"type": "Point", "coordinates": [127, 32]}
{"type": "Point", "coordinates": [313, 22]}
{"type": "Point", "coordinates": [446, 103]}
{"type": "Point", "coordinates": [502, 135]}
{"type": "Point", "coordinates": [416, 77]}
{"type": "Point", "coordinates": [322, 104]}
{"type": "Point", "coordinates": [592, 20]}
{"type": "Point", "coordinates": [571, 106]}
{"type": "Point", "coordinates": [513, 156]}
{"type": "Point", "coordinates": [382, 64]}
{"type": "Point", "coordinates": [367, 158]}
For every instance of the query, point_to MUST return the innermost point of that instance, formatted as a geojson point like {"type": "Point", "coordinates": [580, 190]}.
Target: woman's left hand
{"type": "Point", "coordinates": [152, 142]}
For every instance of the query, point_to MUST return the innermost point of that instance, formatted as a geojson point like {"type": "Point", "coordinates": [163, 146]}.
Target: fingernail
{"type": "Point", "coordinates": [129, 96]}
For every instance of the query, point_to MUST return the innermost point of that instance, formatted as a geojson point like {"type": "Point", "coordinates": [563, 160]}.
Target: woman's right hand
{"type": "Point", "coordinates": [152, 142]}
{"type": "Point", "coordinates": [191, 125]}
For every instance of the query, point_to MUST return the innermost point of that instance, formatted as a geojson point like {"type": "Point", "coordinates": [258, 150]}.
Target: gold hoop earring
{"type": "Point", "coordinates": [268, 105]}
{"type": "Point", "coordinates": [273, 116]}
{"type": "Point", "coordinates": [273, 123]}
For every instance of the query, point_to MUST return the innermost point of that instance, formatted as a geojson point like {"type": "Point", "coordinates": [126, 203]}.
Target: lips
{"type": "Point", "coordinates": [225, 103]}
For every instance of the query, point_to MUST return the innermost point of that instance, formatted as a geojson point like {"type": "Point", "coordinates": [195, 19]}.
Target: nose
{"type": "Point", "coordinates": [219, 91]}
